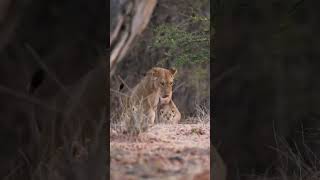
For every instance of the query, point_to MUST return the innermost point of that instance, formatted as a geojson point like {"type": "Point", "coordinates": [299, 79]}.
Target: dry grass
{"type": "Point", "coordinates": [128, 117]}
{"type": "Point", "coordinates": [202, 116]}
{"type": "Point", "coordinates": [292, 164]}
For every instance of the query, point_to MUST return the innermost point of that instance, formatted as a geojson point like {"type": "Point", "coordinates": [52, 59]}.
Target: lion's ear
{"type": "Point", "coordinates": [173, 71]}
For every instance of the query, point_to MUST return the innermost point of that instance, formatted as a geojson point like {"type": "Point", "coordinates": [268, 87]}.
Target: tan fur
{"type": "Point", "coordinates": [168, 113]}
{"type": "Point", "coordinates": [156, 86]}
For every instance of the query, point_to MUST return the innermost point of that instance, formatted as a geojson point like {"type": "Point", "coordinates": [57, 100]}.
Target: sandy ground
{"type": "Point", "coordinates": [180, 151]}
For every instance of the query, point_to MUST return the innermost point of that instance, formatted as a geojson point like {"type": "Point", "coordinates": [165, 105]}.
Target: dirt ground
{"type": "Point", "coordinates": [180, 151]}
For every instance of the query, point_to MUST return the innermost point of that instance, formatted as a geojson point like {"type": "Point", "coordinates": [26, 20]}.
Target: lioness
{"type": "Point", "coordinates": [168, 113]}
{"type": "Point", "coordinates": [154, 88]}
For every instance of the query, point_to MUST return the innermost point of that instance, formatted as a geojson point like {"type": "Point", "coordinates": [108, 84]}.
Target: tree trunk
{"type": "Point", "coordinates": [128, 19]}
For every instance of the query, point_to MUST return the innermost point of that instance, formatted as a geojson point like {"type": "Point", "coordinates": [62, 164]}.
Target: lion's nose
{"type": "Point", "coordinates": [165, 96]}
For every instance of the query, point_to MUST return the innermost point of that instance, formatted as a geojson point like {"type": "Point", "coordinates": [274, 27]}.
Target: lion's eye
{"type": "Point", "coordinates": [162, 83]}
{"type": "Point", "coordinates": [171, 83]}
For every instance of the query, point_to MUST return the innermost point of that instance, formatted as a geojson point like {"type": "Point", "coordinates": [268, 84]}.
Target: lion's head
{"type": "Point", "coordinates": [163, 81]}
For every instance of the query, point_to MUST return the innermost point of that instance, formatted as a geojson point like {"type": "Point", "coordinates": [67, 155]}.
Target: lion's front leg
{"type": "Point", "coordinates": [149, 120]}
{"type": "Point", "coordinates": [152, 116]}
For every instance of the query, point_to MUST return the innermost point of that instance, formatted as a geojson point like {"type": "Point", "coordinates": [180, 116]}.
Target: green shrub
{"type": "Point", "coordinates": [184, 43]}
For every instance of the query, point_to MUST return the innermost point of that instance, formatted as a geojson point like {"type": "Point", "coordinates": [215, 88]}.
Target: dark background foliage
{"type": "Point", "coordinates": [266, 94]}
{"type": "Point", "coordinates": [52, 89]}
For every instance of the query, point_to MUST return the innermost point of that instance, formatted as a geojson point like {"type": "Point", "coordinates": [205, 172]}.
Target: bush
{"type": "Point", "coordinates": [185, 43]}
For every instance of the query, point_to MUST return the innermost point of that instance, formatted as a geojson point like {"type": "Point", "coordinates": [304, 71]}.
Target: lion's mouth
{"type": "Point", "coordinates": [164, 99]}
